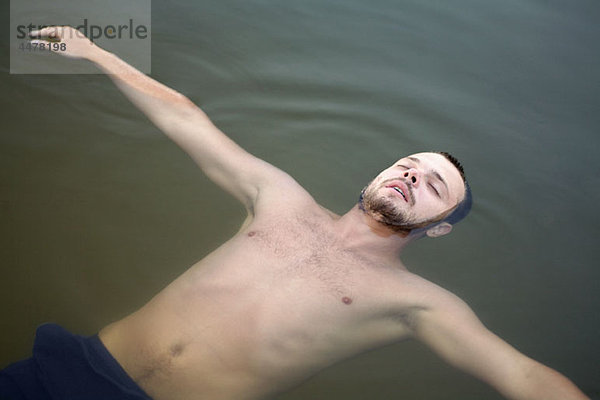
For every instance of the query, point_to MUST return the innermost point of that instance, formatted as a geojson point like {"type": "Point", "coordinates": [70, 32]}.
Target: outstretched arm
{"type": "Point", "coordinates": [223, 161]}
{"type": "Point", "coordinates": [453, 331]}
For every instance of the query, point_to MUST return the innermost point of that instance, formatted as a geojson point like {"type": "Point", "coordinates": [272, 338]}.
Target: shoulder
{"type": "Point", "coordinates": [442, 320]}
{"type": "Point", "coordinates": [279, 191]}
{"type": "Point", "coordinates": [282, 197]}
{"type": "Point", "coordinates": [417, 300]}
{"type": "Point", "coordinates": [419, 290]}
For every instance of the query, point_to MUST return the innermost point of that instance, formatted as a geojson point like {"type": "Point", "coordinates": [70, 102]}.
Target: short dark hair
{"type": "Point", "coordinates": [454, 162]}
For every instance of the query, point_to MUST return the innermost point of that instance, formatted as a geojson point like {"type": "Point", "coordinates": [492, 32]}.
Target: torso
{"type": "Point", "coordinates": [279, 301]}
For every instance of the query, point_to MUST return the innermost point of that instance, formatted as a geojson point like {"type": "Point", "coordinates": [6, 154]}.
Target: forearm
{"type": "Point", "coordinates": [542, 383]}
{"type": "Point", "coordinates": [222, 160]}
{"type": "Point", "coordinates": [168, 109]}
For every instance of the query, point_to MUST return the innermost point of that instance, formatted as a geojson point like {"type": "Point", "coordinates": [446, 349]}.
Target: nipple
{"type": "Point", "coordinates": [176, 349]}
{"type": "Point", "coordinates": [346, 300]}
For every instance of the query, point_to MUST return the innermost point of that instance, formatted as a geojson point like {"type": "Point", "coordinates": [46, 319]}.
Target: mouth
{"type": "Point", "coordinates": [401, 189]}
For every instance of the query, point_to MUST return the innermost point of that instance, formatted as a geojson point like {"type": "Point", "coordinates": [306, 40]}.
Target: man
{"type": "Point", "coordinates": [295, 290]}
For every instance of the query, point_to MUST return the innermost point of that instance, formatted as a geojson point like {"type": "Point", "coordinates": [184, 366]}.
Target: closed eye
{"type": "Point", "coordinates": [435, 190]}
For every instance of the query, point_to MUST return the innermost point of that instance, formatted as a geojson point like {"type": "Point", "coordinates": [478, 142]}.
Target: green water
{"type": "Point", "coordinates": [98, 211]}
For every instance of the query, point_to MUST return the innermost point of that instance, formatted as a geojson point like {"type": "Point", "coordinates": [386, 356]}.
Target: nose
{"type": "Point", "coordinates": [413, 176]}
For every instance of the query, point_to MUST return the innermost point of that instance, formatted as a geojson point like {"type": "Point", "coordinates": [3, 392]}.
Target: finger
{"type": "Point", "coordinates": [44, 32]}
{"type": "Point", "coordinates": [49, 31]}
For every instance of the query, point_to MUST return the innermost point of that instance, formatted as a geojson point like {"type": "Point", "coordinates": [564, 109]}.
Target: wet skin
{"type": "Point", "coordinates": [285, 297]}
{"type": "Point", "coordinates": [297, 289]}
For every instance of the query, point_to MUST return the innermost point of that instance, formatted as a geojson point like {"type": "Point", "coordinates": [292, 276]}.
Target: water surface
{"type": "Point", "coordinates": [98, 211]}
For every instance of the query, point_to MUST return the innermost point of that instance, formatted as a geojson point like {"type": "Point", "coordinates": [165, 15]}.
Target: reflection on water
{"type": "Point", "coordinates": [99, 211]}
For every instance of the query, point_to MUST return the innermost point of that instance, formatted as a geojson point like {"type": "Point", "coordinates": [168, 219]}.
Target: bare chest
{"type": "Point", "coordinates": [319, 301]}
{"type": "Point", "coordinates": [305, 253]}
{"type": "Point", "coordinates": [279, 301]}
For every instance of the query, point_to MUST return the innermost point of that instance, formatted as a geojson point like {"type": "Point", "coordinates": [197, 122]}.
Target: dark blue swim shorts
{"type": "Point", "coordinates": [67, 367]}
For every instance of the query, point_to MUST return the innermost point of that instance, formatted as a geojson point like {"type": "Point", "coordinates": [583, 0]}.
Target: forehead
{"type": "Point", "coordinates": [437, 163]}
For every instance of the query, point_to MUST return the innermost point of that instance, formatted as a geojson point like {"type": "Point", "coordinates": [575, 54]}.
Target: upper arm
{"type": "Point", "coordinates": [450, 328]}
{"type": "Point", "coordinates": [453, 331]}
{"type": "Point", "coordinates": [248, 178]}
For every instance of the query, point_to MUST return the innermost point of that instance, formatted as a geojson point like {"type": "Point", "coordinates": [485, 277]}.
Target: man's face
{"type": "Point", "coordinates": [417, 189]}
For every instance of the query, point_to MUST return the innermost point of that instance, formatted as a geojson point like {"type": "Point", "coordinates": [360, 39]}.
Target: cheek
{"type": "Point", "coordinates": [380, 178]}
{"type": "Point", "coordinates": [375, 183]}
{"type": "Point", "coordinates": [429, 207]}
{"type": "Point", "coordinates": [389, 173]}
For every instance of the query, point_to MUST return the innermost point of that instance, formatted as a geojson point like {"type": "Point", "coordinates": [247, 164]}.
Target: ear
{"type": "Point", "coordinates": [439, 230]}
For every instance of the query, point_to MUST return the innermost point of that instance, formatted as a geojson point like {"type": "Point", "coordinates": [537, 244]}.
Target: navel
{"type": "Point", "coordinates": [346, 300]}
{"type": "Point", "coordinates": [251, 233]}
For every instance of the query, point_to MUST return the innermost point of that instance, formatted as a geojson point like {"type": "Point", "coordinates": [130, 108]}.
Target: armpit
{"type": "Point", "coordinates": [408, 317]}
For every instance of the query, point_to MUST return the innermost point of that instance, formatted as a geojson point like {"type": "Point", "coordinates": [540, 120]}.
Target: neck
{"type": "Point", "coordinates": [361, 232]}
